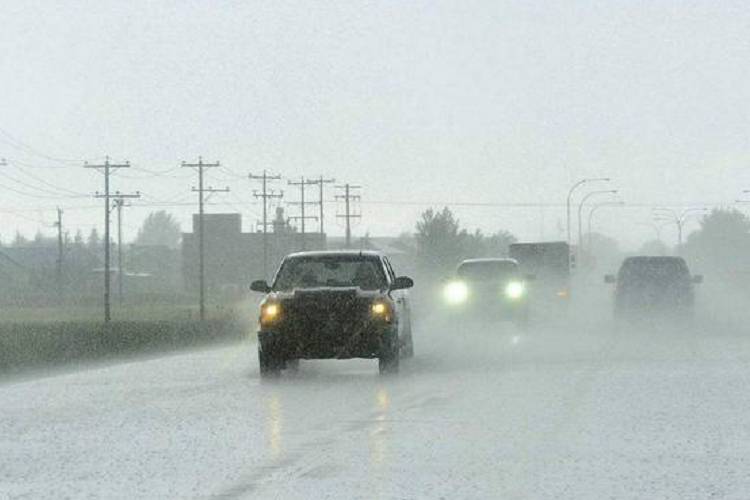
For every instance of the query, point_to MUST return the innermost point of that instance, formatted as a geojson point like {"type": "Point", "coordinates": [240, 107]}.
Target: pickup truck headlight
{"type": "Point", "coordinates": [456, 292]}
{"type": "Point", "coordinates": [380, 309]}
{"type": "Point", "coordinates": [270, 313]}
{"type": "Point", "coordinates": [515, 290]}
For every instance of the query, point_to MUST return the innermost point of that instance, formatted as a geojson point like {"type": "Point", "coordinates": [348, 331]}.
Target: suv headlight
{"type": "Point", "coordinates": [270, 313]}
{"type": "Point", "coordinates": [456, 292]}
{"type": "Point", "coordinates": [515, 290]}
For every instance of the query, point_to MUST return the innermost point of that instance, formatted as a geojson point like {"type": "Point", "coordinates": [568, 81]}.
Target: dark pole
{"type": "Point", "coordinates": [580, 214]}
{"type": "Point", "coordinates": [265, 226]}
{"type": "Point", "coordinates": [265, 195]}
{"type": "Point", "coordinates": [119, 250]}
{"type": "Point", "coordinates": [322, 231]}
{"type": "Point", "coordinates": [348, 218]}
{"type": "Point", "coordinates": [59, 253]}
{"type": "Point", "coordinates": [302, 208]}
{"type": "Point", "coordinates": [107, 311]}
{"type": "Point", "coordinates": [107, 167]}
{"type": "Point", "coordinates": [201, 263]}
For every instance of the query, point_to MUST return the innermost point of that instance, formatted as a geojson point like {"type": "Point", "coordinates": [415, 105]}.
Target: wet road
{"type": "Point", "coordinates": [549, 413]}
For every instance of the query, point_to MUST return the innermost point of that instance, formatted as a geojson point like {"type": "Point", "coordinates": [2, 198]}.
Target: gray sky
{"type": "Point", "coordinates": [422, 101]}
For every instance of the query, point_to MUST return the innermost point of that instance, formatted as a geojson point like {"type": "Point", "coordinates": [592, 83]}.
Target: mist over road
{"type": "Point", "coordinates": [579, 412]}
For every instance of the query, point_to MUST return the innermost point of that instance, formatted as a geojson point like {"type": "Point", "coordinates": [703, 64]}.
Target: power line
{"type": "Point", "coordinates": [39, 179]}
{"type": "Point", "coordinates": [48, 193]}
{"type": "Point", "coordinates": [21, 146]}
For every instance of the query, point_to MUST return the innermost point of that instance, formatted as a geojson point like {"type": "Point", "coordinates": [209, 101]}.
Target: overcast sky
{"type": "Point", "coordinates": [422, 103]}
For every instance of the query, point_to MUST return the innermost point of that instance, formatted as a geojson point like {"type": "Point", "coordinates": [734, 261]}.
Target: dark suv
{"type": "Point", "coordinates": [656, 285]}
{"type": "Point", "coordinates": [334, 305]}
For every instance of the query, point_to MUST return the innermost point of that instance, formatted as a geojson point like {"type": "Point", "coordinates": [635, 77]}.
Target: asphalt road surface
{"type": "Point", "coordinates": [482, 412]}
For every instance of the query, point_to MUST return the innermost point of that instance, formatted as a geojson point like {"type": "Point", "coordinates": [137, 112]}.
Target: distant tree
{"type": "Point", "coordinates": [498, 243]}
{"type": "Point", "coordinates": [42, 241]}
{"type": "Point", "coordinates": [440, 241]}
{"type": "Point", "coordinates": [78, 240]}
{"type": "Point", "coordinates": [160, 229]}
{"type": "Point", "coordinates": [721, 245]}
{"type": "Point", "coordinates": [20, 240]}
{"type": "Point", "coordinates": [94, 243]}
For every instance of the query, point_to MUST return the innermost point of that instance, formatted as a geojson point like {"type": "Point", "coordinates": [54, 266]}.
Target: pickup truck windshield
{"type": "Point", "coordinates": [330, 271]}
{"type": "Point", "coordinates": [488, 270]}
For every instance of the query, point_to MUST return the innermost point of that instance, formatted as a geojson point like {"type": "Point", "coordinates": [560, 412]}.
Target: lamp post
{"type": "Point", "coordinates": [580, 211]}
{"type": "Point", "coordinates": [570, 196]}
{"type": "Point", "coordinates": [672, 216]}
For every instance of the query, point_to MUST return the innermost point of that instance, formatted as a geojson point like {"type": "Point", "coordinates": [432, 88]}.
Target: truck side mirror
{"type": "Point", "coordinates": [402, 282]}
{"type": "Point", "coordinates": [610, 278]}
{"type": "Point", "coordinates": [260, 286]}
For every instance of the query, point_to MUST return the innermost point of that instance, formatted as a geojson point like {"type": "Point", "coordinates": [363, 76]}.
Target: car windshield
{"type": "Point", "coordinates": [330, 271]}
{"type": "Point", "coordinates": [487, 270]}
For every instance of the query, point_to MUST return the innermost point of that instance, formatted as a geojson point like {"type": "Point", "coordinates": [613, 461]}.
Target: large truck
{"type": "Point", "coordinates": [549, 262]}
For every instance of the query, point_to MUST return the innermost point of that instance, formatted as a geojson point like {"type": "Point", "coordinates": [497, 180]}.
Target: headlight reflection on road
{"type": "Point", "coordinates": [378, 434]}
{"type": "Point", "coordinates": [275, 427]}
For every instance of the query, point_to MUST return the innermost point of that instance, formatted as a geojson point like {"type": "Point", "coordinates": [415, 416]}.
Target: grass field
{"type": "Point", "coordinates": [149, 312]}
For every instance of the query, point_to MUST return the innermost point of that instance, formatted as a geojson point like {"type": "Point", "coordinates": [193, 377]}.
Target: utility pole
{"type": "Point", "coordinates": [201, 262]}
{"type": "Point", "coordinates": [107, 167]}
{"type": "Point", "coordinates": [59, 226]}
{"type": "Point", "coordinates": [348, 215]}
{"type": "Point", "coordinates": [265, 194]}
{"type": "Point", "coordinates": [320, 182]}
{"type": "Point", "coordinates": [302, 203]}
{"type": "Point", "coordinates": [119, 203]}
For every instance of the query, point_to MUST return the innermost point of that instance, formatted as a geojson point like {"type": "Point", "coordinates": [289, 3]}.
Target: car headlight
{"type": "Point", "coordinates": [270, 313]}
{"type": "Point", "coordinates": [456, 292]}
{"type": "Point", "coordinates": [381, 310]}
{"type": "Point", "coordinates": [515, 290]}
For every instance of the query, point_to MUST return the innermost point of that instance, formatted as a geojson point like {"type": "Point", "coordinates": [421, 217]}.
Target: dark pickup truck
{"type": "Point", "coordinates": [334, 305]}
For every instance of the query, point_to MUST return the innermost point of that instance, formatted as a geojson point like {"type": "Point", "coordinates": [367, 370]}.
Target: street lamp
{"type": "Point", "coordinates": [597, 207]}
{"type": "Point", "coordinates": [580, 211]}
{"type": "Point", "coordinates": [671, 216]}
{"type": "Point", "coordinates": [570, 195]}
